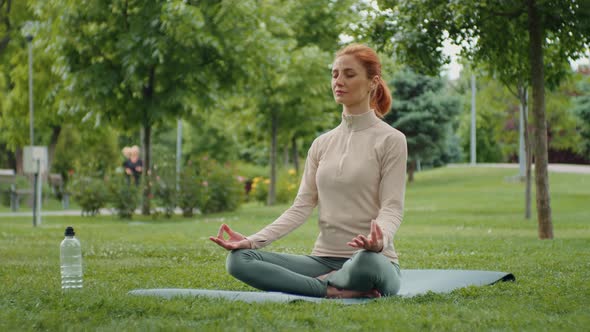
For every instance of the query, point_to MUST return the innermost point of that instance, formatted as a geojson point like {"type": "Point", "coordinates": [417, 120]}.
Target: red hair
{"type": "Point", "coordinates": [381, 97]}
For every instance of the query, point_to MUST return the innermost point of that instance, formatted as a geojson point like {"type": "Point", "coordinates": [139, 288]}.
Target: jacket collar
{"type": "Point", "coordinates": [359, 122]}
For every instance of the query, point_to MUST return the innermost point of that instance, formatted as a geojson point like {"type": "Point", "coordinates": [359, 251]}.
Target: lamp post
{"type": "Point", "coordinates": [36, 182]}
{"type": "Point", "coordinates": [473, 128]}
{"type": "Point", "coordinates": [29, 39]}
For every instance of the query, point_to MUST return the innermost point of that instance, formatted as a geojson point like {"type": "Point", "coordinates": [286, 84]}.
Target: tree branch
{"type": "Point", "coordinates": [4, 43]}
{"type": "Point", "coordinates": [513, 13]}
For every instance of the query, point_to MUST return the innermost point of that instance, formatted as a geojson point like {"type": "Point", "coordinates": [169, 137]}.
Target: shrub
{"type": "Point", "coordinates": [164, 190]}
{"type": "Point", "coordinates": [89, 192]}
{"type": "Point", "coordinates": [287, 186]}
{"type": "Point", "coordinates": [286, 189]}
{"type": "Point", "coordinates": [260, 187]}
{"type": "Point", "coordinates": [192, 193]}
{"type": "Point", "coordinates": [225, 191]}
{"type": "Point", "coordinates": [124, 196]}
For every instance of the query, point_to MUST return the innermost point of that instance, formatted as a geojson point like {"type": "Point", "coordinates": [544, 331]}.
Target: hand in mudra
{"type": "Point", "coordinates": [374, 242]}
{"type": "Point", "coordinates": [235, 240]}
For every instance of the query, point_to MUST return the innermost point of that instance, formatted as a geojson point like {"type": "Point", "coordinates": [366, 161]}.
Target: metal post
{"type": "Point", "coordinates": [521, 148]}
{"type": "Point", "coordinates": [473, 143]}
{"type": "Point", "coordinates": [39, 182]}
{"type": "Point", "coordinates": [29, 39]}
{"type": "Point", "coordinates": [178, 152]}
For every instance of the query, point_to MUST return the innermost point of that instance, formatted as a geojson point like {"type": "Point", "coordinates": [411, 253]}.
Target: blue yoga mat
{"type": "Point", "coordinates": [414, 282]}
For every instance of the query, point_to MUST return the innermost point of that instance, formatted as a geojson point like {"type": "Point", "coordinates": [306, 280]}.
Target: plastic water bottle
{"type": "Point", "coordinates": [71, 260]}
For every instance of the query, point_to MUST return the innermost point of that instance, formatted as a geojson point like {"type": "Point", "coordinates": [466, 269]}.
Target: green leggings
{"type": "Point", "coordinates": [296, 274]}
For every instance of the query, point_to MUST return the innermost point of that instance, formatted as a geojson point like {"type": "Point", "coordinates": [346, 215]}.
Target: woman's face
{"type": "Point", "coordinates": [350, 84]}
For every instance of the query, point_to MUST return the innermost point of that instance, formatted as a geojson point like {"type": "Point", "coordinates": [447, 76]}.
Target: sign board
{"type": "Point", "coordinates": [35, 159]}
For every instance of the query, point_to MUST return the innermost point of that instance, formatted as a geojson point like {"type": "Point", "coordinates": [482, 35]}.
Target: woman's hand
{"type": "Point", "coordinates": [235, 241]}
{"type": "Point", "coordinates": [372, 243]}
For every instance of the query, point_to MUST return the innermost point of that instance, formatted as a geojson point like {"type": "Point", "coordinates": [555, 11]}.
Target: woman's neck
{"type": "Point", "coordinates": [357, 109]}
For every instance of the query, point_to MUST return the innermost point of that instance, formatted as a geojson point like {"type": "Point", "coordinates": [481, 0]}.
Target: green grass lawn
{"type": "Point", "coordinates": [456, 218]}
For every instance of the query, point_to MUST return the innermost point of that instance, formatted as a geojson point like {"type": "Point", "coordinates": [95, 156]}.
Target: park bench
{"type": "Point", "coordinates": [8, 179]}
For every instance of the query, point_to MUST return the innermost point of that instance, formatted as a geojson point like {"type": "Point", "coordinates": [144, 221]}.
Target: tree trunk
{"type": "Point", "coordinates": [411, 170]}
{"type": "Point", "coordinates": [527, 152]}
{"type": "Point", "coordinates": [147, 188]}
{"type": "Point", "coordinates": [540, 122]}
{"type": "Point", "coordinates": [20, 170]}
{"type": "Point", "coordinates": [286, 156]}
{"type": "Point", "coordinates": [273, 158]}
{"type": "Point", "coordinates": [55, 130]}
{"type": "Point", "coordinates": [295, 153]}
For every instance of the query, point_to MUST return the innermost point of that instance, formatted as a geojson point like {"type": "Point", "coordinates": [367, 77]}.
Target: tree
{"type": "Point", "coordinates": [582, 110]}
{"type": "Point", "coordinates": [293, 93]}
{"type": "Point", "coordinates": [424, 113]}
{"type": "Point", "coordinates": [136, 64]}
{"type": "Point", "coordinates": [17, 21]}
{"type": "Point", "coordinates": [498, 32]}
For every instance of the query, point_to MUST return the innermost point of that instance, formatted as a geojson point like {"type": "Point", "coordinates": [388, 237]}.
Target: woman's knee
{"type": "Point", "coordinates": [369, 260]}
{"type": "Point", "coordinates": [237, 260]}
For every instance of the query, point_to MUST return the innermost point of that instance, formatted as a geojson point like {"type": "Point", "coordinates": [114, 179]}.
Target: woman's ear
{"type": "Point", "coordinates": [374, 82]}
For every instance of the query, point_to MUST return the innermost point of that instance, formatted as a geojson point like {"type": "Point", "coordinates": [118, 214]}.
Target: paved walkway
{"type": "Point", "coordinates": [557, 168]}
{"type": "Point", "coordinates": [103, 212]}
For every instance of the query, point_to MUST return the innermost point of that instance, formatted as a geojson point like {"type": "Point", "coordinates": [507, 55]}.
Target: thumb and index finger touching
{"type": "Point", "coordinates": [235, 241]}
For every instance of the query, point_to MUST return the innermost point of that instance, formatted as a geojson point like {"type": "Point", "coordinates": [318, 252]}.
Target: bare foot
{"type": "Point", "coordinates": [336, 293]}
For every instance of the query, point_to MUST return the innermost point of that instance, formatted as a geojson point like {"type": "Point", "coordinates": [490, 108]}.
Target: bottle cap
{"type": "Point", "coordinates": [69, 231]}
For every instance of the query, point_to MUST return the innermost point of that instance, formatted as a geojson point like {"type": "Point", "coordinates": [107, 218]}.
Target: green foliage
{"type": "Point", "coordinates": [224, 191]}
{"type": "Point", "coordinates": [89, 192]}
{"type": "Point", "coordinates": [287, 185]}
{"type": "Point", "coordinates": [581, 109]}
{"type": "Point", "coordinates": [123, 196]}
{"type": "Point", "coordinates": [138, 64]}
{"type": "Point", "coordinates": [163, 179]}
{"type": "Point", "coordinates": [250, 171]}
{"type": "Point", "coordinates": [497, 122]}
{"type": "Point", "coordinates": [87, 151]}
{"type": "Point", "coordinates": [424, 112]}
{"type": "Point", "coordinates": [192, 191]}
{"type": "Point", "coordinates": [493, 33]}
{"type": "Point", "coordinates": [260, 189]}
{"type": "Point", "coordinates": [68, 151]}
{"type": "Point", "coordinates": [488, 149]}
{"type": "Point", "coordinates": [19, 20]}
{"type": "Point", "coordinates": [212, 134]}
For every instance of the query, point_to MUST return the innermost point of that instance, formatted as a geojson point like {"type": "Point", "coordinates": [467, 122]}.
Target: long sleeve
{"type": "Point", "coordinates": [300, 210]}
{"type": "Point", "coordinates": [392, 187]}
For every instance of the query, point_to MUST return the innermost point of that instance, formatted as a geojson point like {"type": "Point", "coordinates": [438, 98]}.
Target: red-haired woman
{"type": "Point", "coordinates": [356, 173]}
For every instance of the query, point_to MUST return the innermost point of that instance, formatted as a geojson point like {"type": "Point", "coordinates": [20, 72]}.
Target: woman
{"type": "Point", "coordinates": [356, 174]}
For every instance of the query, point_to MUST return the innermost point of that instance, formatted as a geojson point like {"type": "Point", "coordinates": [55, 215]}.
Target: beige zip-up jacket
{"type": "Point", "coordinates": [356, 173]}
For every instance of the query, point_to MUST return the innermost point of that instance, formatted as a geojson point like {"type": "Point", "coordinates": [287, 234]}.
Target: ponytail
{"type": "Point", "coordinates": [381, 99]}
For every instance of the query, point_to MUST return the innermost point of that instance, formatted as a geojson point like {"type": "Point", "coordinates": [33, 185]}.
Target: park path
{"type": "Point", "coordinates": [102, 212]}
{"type": "Point", "coordinates": [556, 168]}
